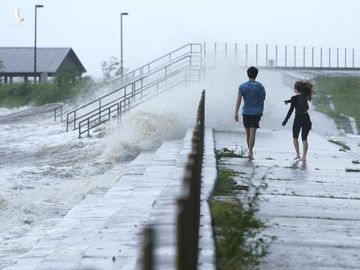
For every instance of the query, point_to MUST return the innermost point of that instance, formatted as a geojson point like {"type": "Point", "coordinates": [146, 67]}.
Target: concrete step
{"type": "Point", "coordinates": [81, 222]}
{"type": "Point", "coordinates": [105, 233]}
{"type": "Point", "coordinates": [119, 244]}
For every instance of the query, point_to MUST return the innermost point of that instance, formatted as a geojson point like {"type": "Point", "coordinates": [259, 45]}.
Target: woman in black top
{"type": "Point", "coordinates": [304, 92]}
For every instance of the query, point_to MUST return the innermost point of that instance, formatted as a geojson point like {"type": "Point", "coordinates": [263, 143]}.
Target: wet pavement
{"type": "Point", "coordinates": [105, 231]}
{"type": "Point", "coordinates": [312, 207]}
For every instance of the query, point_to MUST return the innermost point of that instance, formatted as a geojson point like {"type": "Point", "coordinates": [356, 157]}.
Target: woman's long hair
{"type": "Point", "coordinates": [305, 88]}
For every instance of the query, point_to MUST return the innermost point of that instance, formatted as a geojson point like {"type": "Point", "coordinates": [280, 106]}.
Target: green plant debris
{"type": "Point", "coordinates": [240, 243]}
{"type": "Point", "coordinates": [356, 161]}
{"type": "Point", "coordinates": [342, 144]}
{"type": "Point", "coordinates": [226, 184]}
{"type": "Point", "coordinates": [225, 152]}
{"type": "Point", "coordinates": [352, 170]}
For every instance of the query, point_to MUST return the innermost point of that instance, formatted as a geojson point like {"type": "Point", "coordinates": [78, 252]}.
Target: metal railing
{"type": "Point", "coordinates": [131, 95]}
{"type": "Point", "coordinates": [58, 113]}
{"type": "Point", "coordinates": [283, 56]}
{"type": "Point", "coordinates": [181, 70]}
{"type": "Point", "coordinates": [192, 49]}
{"type": "Point", "coordinates": [188, 205]}
{"type": "Point", "coordinates": [130, 98]}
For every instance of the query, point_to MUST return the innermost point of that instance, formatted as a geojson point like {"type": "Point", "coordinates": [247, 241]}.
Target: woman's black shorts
{"type": "Point", "coordinates": [302, 121]}
{"type": "Point", "coordinates": [251, 121]}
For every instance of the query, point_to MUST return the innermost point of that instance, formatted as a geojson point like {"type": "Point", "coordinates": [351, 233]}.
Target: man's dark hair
{"type": "Point", "coordinates": [252, 72]}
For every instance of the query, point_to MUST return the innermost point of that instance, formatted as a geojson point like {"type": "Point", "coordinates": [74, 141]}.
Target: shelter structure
{"type": "Point", "coordinates": [18, 62]}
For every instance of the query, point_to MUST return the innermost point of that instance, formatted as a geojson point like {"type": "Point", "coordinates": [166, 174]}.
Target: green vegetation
{"type": "Point", "coordinates": [356, 161]}
{"type": "Point", "coordinates": [226, 184]}
{"type": "Point", "coordinates": [239, 240]}
{"type": "Point", "coordinates": [64, 88]}
{"type": "Point", "coordinates": [344, 92]}
{"type": "Point", "coordinates": [343, 145]}
{"type": "Point", "coordinates": [225, 152]}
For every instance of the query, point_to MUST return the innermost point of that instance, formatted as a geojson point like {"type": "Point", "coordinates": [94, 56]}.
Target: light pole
{"type": "Point", "coordinates": [36, 7]}
{"type": "Point", "coordinates": [121, 43]}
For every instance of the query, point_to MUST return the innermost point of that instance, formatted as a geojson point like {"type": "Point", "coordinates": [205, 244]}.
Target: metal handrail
{"type": "Point", "coordinates": [193, 49]}
{"type": "Point", "coordinates": [99, 100]}
{"type": "Point", "coordinates": [168, 55]}
{"type": "Point", "coordinates": [56, 114]}
{"type": "Point", "coordinates": [72, 117]}
{"type": "Point", "coordinates": [127, 100]}
{"type": "Point", "coordinates": [101, 105]}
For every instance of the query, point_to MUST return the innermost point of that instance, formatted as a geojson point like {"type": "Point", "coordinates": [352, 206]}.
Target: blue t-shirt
{"type": "Point", "coordinates": [253, 94]}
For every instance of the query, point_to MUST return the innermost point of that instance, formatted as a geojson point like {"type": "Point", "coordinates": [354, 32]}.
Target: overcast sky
{"type": "Point", "coordinates": [155, 27]}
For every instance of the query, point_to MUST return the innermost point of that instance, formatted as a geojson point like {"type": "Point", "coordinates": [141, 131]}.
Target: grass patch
{"type": "Point", "coordinates": [225, 152]}
{"type": "Point", "coordinates": [344, 93]}
{"type": "Point", "coordinates": [226, 184]}
{"type": "Point", "coordinates": [343, 145]}
{"type": "Point", "coordinates": [238, 232]}
{"type": "Point", "coordinates": [21, 94]}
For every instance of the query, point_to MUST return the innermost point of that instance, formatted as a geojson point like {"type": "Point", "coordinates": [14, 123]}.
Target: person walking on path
{"type": "Point", "coordinates": [304, 92]}
{"type": "Point", "coordinates": [254, 94]}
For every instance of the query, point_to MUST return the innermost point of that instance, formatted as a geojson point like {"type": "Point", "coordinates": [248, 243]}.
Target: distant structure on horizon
{"type": "Point", "coordinates": [18, 63]}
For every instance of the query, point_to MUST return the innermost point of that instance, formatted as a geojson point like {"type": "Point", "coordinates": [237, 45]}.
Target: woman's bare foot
{"type": "Point", "coordinates": [303, 159]}
{"type": "Point", "coordinates": [251, 155]}
{"type": "Point", "coordinates": [297, 157]}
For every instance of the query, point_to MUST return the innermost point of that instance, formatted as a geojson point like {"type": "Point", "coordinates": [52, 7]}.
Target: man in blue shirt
{"type": "Point", "coordinates": [254, 94]}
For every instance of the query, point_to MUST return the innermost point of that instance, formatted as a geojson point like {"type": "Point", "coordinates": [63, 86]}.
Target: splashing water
{"type": "Point", "coordinates": [141, 131]}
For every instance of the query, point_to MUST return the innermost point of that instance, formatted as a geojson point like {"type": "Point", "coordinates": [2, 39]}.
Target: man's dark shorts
{"type": "Point", "coordinates": [251, 121]}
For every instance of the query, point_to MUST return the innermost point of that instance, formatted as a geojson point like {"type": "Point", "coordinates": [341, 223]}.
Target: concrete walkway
{"type": "Point", "coordinates": [312, 208]}
{"type": "Point", "coordinates": [105, 232]}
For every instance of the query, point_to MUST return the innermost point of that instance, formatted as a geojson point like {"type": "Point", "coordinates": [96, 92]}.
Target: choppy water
{"type": "Point", "coordinates": [45, 171]}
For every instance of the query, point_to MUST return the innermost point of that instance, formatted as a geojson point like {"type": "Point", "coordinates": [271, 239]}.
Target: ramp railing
{"type": "Point", "coordinates": [193, 49]}
{"type": "Point", "coordinates": [185, 66]}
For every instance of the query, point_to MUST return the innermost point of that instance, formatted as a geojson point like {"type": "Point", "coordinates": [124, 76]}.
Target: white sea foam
{"type": "Point", "coordinates": [7, 111]}
{"type": "Point", "coordinates": [140, 131]}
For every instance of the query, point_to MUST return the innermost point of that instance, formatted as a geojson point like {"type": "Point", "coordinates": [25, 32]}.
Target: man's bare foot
{"type": "Point", "coordinates": [297, 157]}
